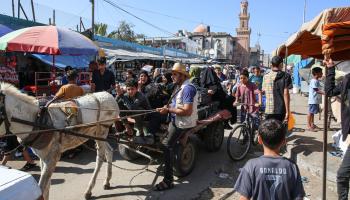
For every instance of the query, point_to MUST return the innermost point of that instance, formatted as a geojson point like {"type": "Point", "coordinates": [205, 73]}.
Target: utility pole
{"type": "Point", "coordinates": [54, 18]}
{"type": "Point", "coordinates": [19, 7]}
{"type": "Point", "coordinates": [93, 18]}
{"type": "Point", "coordinates": [31, 1]}
{"type": "Point", "coordinates": [304, 13]}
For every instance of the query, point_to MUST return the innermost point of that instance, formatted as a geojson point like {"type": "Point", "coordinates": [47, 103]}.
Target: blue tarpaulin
{"type": "Point", "coordinates": [4, 30]}
{"type": "Point", "coordinates": [300, 65]}
{"type": "Point", "coordinates": [78, 62]}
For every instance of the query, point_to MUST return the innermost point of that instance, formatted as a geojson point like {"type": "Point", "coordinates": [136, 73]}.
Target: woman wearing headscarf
{"type": "Point", "coordinates": [157, 75]}
{"type": "Point", "coordinates": [168, 86]}
{"type": "Point", "coordinates": [195, 73]}
{"type": "Point", "coordinates": [153, 93]}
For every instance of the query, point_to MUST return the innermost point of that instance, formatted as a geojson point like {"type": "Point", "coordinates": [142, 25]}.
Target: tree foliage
{"type": "Point", "coordinates": [101, 29]}
{"type": "Point", "coordinates": [124, 32]}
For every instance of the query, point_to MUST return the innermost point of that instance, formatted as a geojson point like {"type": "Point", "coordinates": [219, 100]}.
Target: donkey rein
{"type": "Point", "coordinates": [86, 108]}
{"type": "Point", "coordinates": [119, 167]}
{"type": "Point", "coordinates": [68, 128]}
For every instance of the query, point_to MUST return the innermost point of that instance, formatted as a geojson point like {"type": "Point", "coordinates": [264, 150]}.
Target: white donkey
{"type": "Point", "coordinates": [95, 107]}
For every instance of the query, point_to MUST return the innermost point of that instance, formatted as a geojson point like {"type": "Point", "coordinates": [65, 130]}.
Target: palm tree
{"type": "Point", "coordinates": [101, 29]}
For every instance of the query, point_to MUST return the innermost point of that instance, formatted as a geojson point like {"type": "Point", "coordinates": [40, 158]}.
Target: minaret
{"type": "Point", "coordinates": [243, 34]}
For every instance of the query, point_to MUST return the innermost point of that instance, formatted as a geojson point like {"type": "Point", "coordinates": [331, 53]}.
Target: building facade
{"type": "Point", "coordinates": [220, 46]}
{"type": "Point", "coordinates": [181, 41]}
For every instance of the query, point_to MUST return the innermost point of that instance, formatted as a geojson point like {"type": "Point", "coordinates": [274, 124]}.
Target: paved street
{"type": "Point", "coordinates": [72, 175]}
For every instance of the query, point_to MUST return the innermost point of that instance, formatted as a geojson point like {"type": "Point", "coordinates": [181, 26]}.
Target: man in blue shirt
{"type": "Point", "coordinates": [183, 112]}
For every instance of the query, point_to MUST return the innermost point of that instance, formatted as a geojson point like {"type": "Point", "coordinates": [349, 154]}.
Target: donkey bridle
{"type": "Point", "coordinates": [3, 115]}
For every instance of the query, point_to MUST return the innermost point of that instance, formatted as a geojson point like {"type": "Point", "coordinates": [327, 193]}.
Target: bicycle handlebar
{"type": "Point", "coordinates": [242, 104]}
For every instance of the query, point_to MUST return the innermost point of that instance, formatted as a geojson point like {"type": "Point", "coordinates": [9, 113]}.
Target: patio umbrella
{"type": "Point", "coordinates": [50, 40]}
{"type": "Point", "coordinates": [4, 30]}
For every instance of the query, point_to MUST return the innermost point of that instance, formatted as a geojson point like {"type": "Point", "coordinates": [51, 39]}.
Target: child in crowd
{"type": "Point", "coordinates": [315, 98]}
{"type": "Point", "coordinates": [270, 176]}
{"type": "Point", "coordinates": [246, 94]}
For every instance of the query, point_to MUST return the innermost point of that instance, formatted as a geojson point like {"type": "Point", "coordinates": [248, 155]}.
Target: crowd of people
{"type": "Point", "coordinates": [174, 94]}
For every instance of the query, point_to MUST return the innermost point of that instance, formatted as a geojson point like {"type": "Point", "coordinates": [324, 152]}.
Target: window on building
{"type": "Point", "coordinates": [206, 44]}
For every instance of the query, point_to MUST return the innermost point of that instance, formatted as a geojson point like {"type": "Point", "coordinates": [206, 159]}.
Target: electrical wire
{"type": "Point", "coordinates": [174, 17]}
{"type": "Point", "coordinates": [144, 21]}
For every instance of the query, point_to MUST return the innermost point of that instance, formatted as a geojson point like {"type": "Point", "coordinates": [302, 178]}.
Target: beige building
{"type": "Point", "coordinates": [224, 47]}
{"type": "Point", "coordinates": [220, 46]}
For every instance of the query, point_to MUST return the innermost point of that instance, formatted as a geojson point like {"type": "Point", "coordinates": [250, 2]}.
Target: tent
{"type": "Point", "coordinates": [326, 36]}
{"type": "Point", "coordinates": [329, 31]}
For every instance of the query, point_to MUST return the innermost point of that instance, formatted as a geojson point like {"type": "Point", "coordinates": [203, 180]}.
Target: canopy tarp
{"type": "Point", "coordinates": [77, 62]}
{"type": "Point", "coordinates": [129, 55]}
{"type": "Point", "coordinates": [333, 23]}
{"type": "Point", "coordinates": [300, 65]}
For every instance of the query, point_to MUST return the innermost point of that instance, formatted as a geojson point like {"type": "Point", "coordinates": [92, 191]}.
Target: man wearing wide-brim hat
{"type": "Point", "coordinates": [183, 115]}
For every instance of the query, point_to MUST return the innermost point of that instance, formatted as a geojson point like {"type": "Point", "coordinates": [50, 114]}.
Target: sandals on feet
{"type": "Point", "coordinates": [164, 186]}
{"type": "Point", "coordinates": [28, 166]}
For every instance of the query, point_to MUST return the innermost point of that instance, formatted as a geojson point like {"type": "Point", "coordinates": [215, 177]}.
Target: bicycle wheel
{"type": "Point", "coordinates": [238, 143]}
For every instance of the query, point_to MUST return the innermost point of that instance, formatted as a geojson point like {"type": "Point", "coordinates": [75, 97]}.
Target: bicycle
{"type": "Point", "coordinates": [242, 136]}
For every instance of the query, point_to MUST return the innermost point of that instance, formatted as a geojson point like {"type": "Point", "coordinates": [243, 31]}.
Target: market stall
{"type": "Point", "coordinates": [49, 40]}
{"type": "Point", "coordinates": [326, 36]}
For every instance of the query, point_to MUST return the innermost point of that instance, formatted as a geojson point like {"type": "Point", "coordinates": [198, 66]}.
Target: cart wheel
{"type": "Point", "coordinates": [214, 136]}
{"type": "Point", "coordinates": [127, 154]}
{"type": "Point", "coordinates": [185, 158]}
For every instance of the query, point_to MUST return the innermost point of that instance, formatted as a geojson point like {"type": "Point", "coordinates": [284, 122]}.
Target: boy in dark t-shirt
{"type": "Point", "coordinates": [270, 176]}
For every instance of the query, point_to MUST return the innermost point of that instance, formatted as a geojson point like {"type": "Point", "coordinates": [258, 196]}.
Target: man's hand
{"type": "Point", "coordinates": [211, 92]}
{"type": "Point", "coordinates": [235, 104]}
{"type": "Point", "coordinates": [93, 87]}
{"type": "Point", "coordinates": [163, 110]}
{"type": "Point", "coordinates": [286, 118]}
{"type": "Point", "coordinates": [257, 105]}
{"type": "Point", "coordinates": [328, 63]}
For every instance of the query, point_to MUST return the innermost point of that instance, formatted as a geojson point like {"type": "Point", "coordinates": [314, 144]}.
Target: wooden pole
{"type": "Point", "coordinates": [286, 60]}
{"type": "Point", "coordinates": [80, 25]}
{"type": "Point", "coordinates": [13, 8]}
{"type": "Point", "coordinates": [325, 133]}
{"type": "Point", "coordinates": [93, 18]}
{"type": "Point", "coordinates": [54, 18]}
{"type": "Point", "coordinates": [33, 12]}
{"type": "Point", "coordinates": [18, 8]}
{"type": "Point", "coordinates": [25, 15]}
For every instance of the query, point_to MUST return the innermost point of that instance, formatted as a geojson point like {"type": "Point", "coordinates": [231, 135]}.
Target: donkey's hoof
{"type": "Point", "coordinates": [88, 195]}
{"type": "Point", "coordinates": [107, 186]}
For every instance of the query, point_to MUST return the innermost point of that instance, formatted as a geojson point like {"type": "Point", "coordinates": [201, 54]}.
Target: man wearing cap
{"type": "Point", "coordinates": [183, 114]}
{"type": "Point", "coordinates": [276, 85]}
{"type": "Point", "coordinates": [102, 79]}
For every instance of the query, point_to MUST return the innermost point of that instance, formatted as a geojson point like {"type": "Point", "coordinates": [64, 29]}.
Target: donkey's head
{"type": "Point", "coordinates": [13, 103]}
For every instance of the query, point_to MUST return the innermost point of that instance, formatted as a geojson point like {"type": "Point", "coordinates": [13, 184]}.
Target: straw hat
{"type": "Point", "coordinates": [180, 68]}
{"type": "Point", "coordinates": [216, 66]}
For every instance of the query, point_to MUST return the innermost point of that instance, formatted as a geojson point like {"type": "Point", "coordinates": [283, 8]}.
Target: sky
{"type": "Point", "coordinates": [275, 20]}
